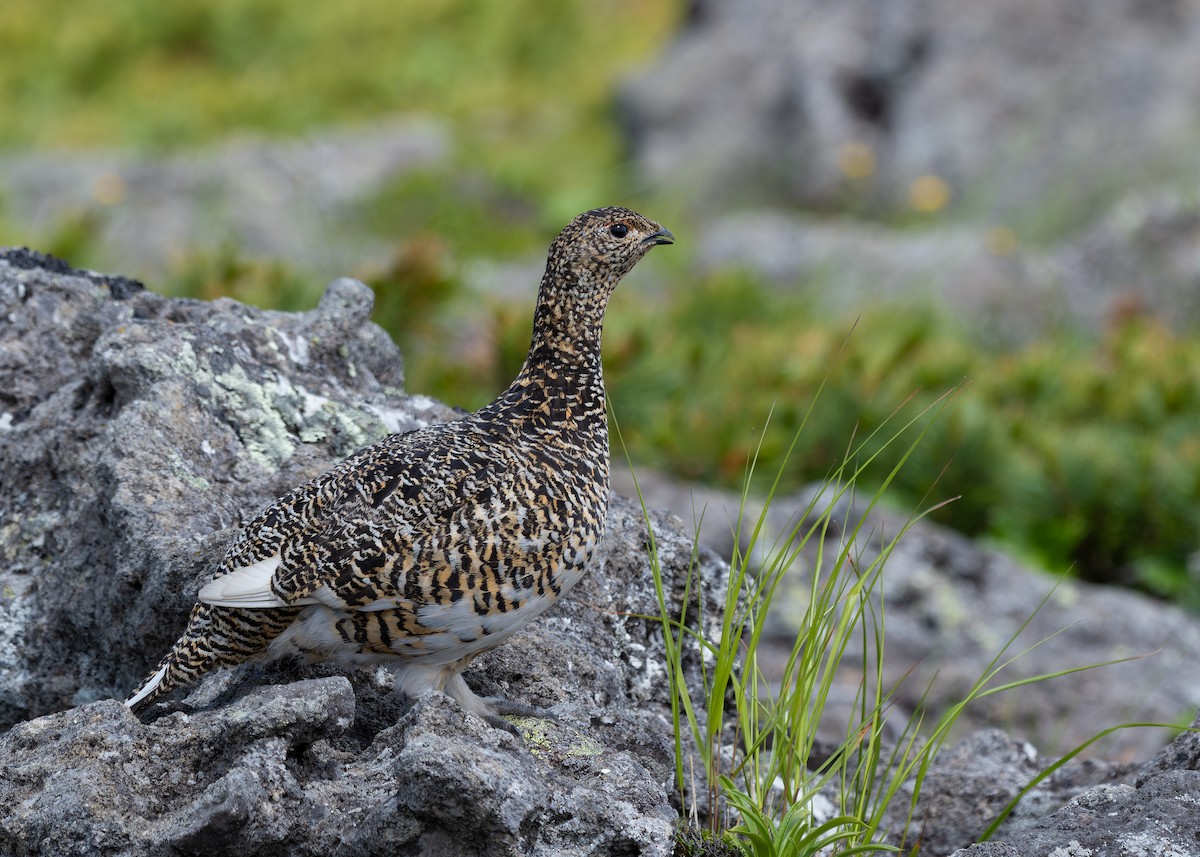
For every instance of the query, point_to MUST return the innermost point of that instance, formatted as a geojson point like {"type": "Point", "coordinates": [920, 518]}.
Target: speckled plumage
{"type": "Point", "coordinates": [430, 547]}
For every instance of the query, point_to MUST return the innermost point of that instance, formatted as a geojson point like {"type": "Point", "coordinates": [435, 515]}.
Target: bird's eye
{"type": "Point", "coordinates": [618, 230]}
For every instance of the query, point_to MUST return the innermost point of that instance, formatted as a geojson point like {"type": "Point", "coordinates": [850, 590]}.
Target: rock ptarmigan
{"type": "Point", "coordinates": [430, 547]}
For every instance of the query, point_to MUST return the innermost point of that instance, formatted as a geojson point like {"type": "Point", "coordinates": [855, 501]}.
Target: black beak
{"type": "Point", "coordinates": [662, 236]}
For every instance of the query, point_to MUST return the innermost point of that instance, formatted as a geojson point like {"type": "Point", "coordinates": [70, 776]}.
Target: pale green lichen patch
{"type": "Point", "coordinates": [17, 616]}
{"type": "Point", "coordinates": [315, 418]}
{"type": "Point", "coordinates": [274, 416]}
{"type": "Point", "coordinates": [552, 739]}
{"type": "Point", "coordinates": [8, 534]}
{"type": "Point", "coordinates": [185, 473]}
{"type": "Point", "coordinates": [184, 361]}
{"type": "Point", "coordinates": [261, 425]}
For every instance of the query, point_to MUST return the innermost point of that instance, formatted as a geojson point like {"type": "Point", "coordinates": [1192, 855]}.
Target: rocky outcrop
{"type": "Point", "coordinates": [1005, 101]}
{"type": "Point", "coordinates": [971, 783]}
{"type": "Point", "coordinates": [950, 605]}
{"type": "Point", "coordinates": [136, 432]}
{"type": "Point", "coordinates": [1155, 813]}
{"type": "Point", "coordinates": [276, 199]}
{"type": "Point", "coordinates": [1083, 809]}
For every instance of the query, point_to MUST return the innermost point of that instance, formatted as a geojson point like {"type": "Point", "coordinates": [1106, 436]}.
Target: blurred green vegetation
{"type": "Point", "coordinates": [525, 85]}
{"type": "Point", "coordinates": [86, 72]}
{"type": "Point", "coordinates": [1076, 451]}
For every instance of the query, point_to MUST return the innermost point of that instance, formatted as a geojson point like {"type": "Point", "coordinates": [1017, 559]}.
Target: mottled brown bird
{"type": "Point", "coordinates": [433, 546]}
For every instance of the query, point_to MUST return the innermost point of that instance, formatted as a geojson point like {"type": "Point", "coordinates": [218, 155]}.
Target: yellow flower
{"type": "Point", "coordinates": [929, 193]}
{"type": "Point", "coordinates": [109, 189]}
{"type": "Point", "coordinates": [856, 161]}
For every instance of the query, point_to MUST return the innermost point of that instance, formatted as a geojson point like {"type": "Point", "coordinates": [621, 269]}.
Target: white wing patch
{"type": "Point", "coordinates": [248, 587]}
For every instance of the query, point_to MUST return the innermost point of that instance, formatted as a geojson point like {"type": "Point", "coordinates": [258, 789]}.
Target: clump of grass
{"type": "Point", "coordinates": [698, 842]}
{"type": "Point", "coordinates": [767, 789]}
{"type": "Point", "coordinates": [761, 771]}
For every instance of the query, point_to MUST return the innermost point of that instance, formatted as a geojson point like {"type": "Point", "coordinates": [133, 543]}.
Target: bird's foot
{"type": "Point", "coordinates": [499, 711]}
{"type": "Point", "coordinates": [495, 710]}
{"type": "Point", "coordinates": [502, 707]}
{"type": "Point", "coordinates": [158, 710]}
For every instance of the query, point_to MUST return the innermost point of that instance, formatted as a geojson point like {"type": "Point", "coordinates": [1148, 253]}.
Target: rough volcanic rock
{"type": "Point", "coordinates": [278, 771]}
{"type": "Point", "coordinates": [1159, 816]}
{"type": "Point", "coordinates": [1182, 754]}
{"type": "Point", "coordinates": [970, 784]}
{"type": "Point", "coordinates": [136, 433]}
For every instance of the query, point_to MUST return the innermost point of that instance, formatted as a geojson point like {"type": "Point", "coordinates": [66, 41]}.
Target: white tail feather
{"type": "Point", "coordinates": [148, 689]}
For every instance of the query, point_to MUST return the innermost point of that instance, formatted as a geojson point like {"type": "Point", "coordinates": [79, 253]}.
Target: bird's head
{"type": "Point", "coordinates": [603, 245]}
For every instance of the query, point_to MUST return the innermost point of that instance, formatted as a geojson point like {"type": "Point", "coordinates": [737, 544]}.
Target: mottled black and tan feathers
{"type": "Point", "coordinates": [429, 547]}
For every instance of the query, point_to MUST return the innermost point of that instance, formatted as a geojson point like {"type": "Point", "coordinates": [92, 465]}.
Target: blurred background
{"type": "Point", "coordinates": [879, 200]}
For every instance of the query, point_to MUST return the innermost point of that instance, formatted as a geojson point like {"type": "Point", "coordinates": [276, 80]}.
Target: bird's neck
{"type": "Point", "coordinates": [567, 325]}
{"type": "Point", "coordinates": [561, 384]}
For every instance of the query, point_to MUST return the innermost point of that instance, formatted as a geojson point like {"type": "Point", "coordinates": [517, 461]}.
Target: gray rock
{"type": "Point", "coordinates": [951, 605]}
{"type": "Point", "coordinates": [970, 273]}
{"type": "Point", "coordinates": [274, 772]}
{"type": "Point", "coordinates": [136, 432]}
{"type": "Point", "coordinates": [1158, 819]}
{"type": "Point", "coordinates": [276, 199]}
{"type": "Point", "coordinates": [1182, 754]}
{"type": "Point", "coordinates": [1140, 257]}
{"type": "Point", "coordinates": [1008, 101]}
{"type": "Point", "coordinates": [969, 785]}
